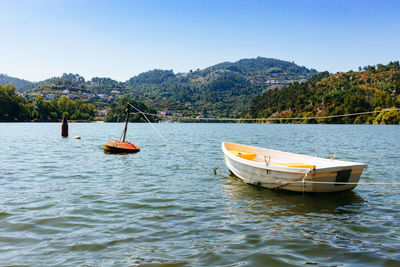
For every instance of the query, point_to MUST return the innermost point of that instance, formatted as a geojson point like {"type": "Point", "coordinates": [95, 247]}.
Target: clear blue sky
{"type": "Point", "coordinates": [119, 39]}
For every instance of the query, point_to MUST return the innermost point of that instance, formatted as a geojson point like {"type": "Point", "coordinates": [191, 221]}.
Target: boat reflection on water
{"type": "Point", "coordinates": [256, 200]}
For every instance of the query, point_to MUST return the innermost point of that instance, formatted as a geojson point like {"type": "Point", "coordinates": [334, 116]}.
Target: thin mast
{"type": "Point", "coordinates": [126, 121]}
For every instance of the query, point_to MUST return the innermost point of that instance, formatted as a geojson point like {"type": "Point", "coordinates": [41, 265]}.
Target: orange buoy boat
{"type": "Point", "coordinates": [121, 147]}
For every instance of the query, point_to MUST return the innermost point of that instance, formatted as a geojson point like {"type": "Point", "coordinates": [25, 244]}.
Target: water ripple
{"type": "Point", "coordinates": [65, 202]}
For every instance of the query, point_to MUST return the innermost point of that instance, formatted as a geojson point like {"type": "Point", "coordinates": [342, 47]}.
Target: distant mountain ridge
{"type": "Point", "coordinates": [20, 84]}
{"type": "Point", "coordinates": [225, 89]}
{"type": "Point", "coordinates": [263, 66]}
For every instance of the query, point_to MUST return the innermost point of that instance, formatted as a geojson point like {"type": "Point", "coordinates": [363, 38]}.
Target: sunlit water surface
{"type": "Point", "coordinates": [65, 202]}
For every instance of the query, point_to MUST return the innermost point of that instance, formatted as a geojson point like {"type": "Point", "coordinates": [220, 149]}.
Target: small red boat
{"type": "Point", "coordinates": [121, 147]}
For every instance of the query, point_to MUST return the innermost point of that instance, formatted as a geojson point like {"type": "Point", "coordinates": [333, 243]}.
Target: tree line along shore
{"type": "Point", "coordinates": [200, 97]}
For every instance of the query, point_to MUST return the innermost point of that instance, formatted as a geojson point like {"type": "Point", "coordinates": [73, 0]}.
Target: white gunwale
{"type": "Point", "coordinates": [321, 165]}
{"type": "Point", "coordinates": [271, 174]}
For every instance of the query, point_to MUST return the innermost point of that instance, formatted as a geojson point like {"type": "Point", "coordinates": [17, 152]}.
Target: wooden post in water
{"type": "Point", "coordinates": [126, 121]}
{"type": "Point", "coordinates": [64, 127]}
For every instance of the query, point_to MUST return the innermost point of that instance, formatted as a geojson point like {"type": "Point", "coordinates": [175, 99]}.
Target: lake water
{"type": "Point", "coordinates": [65, 202]}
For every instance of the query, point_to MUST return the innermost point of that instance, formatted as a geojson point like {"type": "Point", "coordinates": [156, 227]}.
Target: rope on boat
{"type": "Point", "coordinates": [273, 119]}
{"type": "Point", "coordinates": [219, 165]}
{"type": "Point", "coordinates": [304, 178]}
{"type": "Point", "coordinates": [174, 148]}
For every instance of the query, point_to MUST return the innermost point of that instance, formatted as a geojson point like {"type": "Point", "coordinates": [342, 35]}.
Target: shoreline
{"type": "Point", "coordinates": [198, 121]}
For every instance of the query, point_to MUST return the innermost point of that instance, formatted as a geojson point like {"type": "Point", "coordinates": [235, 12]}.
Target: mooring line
{"type": "Point", "coordinates": [174, 148]}
{"type": "Point", "coordinates": [219, 165]}
{"type": "Point", "coordinates": [274, 119]}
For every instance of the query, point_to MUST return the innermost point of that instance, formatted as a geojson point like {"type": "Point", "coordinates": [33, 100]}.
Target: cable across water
{"type": "Point", "coordinates": [275, 119]}
{"type": "Point", "coordinates": [174, 148]}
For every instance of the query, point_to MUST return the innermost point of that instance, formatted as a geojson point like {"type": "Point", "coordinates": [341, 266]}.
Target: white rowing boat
{"type": "Point", "coordinates": [288, 171]}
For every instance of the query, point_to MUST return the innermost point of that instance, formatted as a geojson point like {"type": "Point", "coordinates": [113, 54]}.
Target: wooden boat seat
{"type": "Point", "coordinates": [243, 154]}
{"type": "Point", "coordinates": [295, 165]}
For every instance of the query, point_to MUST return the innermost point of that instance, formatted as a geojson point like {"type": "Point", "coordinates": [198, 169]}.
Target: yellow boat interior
{"type": "Point", "coordinates": [285, 159]}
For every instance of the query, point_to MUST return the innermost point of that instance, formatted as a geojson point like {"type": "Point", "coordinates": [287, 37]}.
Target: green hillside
{"type": "Point", "coordinates": [14, 107]}
{"type": "Point", "coordinates": [373, 88]}
{"type": "Point", "coordinates": [98, 91]}
{"type": "Point", "coordinates": [225, 89]}
{"type": "Point", "coordinates": [20, 84]}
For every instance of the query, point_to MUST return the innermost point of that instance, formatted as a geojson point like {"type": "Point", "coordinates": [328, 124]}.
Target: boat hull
{"type": "Point", "coordinates": [340, 178]}
{"type": "Point", "coordinates": [118, 147]}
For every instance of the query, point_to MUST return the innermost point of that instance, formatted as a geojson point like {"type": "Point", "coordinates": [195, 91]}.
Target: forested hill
{"type": "Point", "coordinates": [20, 84]}
{"type": "Point", "coordinates": [263, 68]}
{"type": "Point", "coordinates": [373, 88]}
{"type": "Point", "coordinates": [225, 89]}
